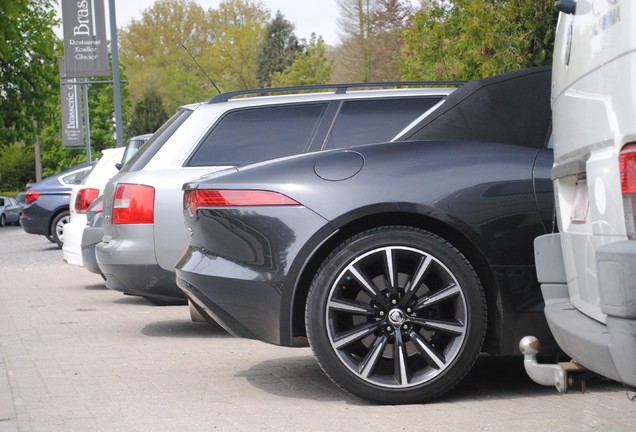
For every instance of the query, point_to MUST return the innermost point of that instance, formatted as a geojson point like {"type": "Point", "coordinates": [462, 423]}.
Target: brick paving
{"type": "Point", "coordinates": [75, 356]}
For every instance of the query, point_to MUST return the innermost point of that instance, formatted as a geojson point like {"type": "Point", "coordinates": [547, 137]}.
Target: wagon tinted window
{"type": "Point", "coordinates": [372, 121]}
{"type": "Point", "coordinates": [259, 134]}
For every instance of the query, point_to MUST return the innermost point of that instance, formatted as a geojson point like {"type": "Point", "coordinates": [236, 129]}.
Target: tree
{"type": "Point", "coordinates": [310, 67]}
{"type": "Point", "coordinates": [238, 29]}
{"type": "Point", "coordinates": [279, 49]}
{"type": "Point", "coordinates": [152, 50]}
{"type": "Point", "coordinates": [29, 73]}
{"type": "Point", "coordinates": [17, 167]}
{"type": "Point", "coordinates": [371, 34]}
{"type": "Point", "coordinates": [148, 114]}
{"type": "Point", "coordinates": [469, 39]}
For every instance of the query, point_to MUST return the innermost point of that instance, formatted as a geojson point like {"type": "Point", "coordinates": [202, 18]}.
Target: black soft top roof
{"type": "Point", "coordinates": [512, 108]}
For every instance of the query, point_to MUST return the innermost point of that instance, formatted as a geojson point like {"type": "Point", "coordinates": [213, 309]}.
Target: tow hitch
{"type": "Point", "coordinates": [563, 375]}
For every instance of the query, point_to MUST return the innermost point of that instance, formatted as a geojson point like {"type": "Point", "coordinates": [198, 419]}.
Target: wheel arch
{"type": "Point", "coordinates": [461, 241]}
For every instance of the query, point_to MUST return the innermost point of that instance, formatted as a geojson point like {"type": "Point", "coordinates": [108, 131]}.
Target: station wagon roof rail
{"type": "Point", "coordinates": [339, 88]}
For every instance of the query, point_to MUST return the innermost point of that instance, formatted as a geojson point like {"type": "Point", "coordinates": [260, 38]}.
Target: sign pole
{"type": "Point", "coordinates": [119, 134]}
{"type": "Point", "coordinates": [87, 122]}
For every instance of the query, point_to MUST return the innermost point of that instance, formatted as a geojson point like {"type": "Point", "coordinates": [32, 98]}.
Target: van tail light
{"type": "Point", "coordinates": [31, 196]}
{"type": "Point", "coordinates": [627, 163]}
{"type": "Point", "coordinates": [134, 204]}
{"type": "Point", "coordinates": [85, 198]}
{"type": "Point", "coordinates": [193, 199]}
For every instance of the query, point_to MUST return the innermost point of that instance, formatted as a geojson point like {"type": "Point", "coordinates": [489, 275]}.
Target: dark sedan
{"type": "Point", "coordinates": [46, 208]}
{"type": "Point", "coordinates": [399, 262]}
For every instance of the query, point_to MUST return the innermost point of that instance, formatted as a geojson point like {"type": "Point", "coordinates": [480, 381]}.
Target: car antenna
{"type": "Point", "coordinates": [200, 67]}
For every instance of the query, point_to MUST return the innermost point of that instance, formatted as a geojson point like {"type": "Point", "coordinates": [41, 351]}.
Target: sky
{"type": "Point", "coordinates": [317, 16]}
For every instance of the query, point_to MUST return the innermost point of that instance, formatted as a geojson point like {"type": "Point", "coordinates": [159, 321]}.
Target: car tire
{"type": "Point", "coordinates": [3, 220]}
{"type": "Point", "coordinates": [19, 222]}
{"type": "Point", "coordinates": [57, 227]}
{"type": "Point", "coordinates": [385, 339]}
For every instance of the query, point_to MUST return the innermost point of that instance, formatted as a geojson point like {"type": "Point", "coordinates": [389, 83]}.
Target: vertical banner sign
{"type": "Point", "coordinates": [72, 120]}
{"type": "Point", "coordinates": [85, 44]}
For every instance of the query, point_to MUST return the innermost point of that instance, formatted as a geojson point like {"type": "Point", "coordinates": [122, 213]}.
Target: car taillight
{"type": "Point", "coordinates": [31, 196]}
{"type": "Point", "coordinates": [627, 164]}
{"type": "Point", "coordinates": [134, 204]}
{"type": "Point", "coordinates": [85, 198]}
{"type": "Point", "coordinates": [196, 198]}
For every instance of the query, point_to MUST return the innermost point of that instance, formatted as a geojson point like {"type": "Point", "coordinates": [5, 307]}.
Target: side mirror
{"type": "Point", "coordinates": [566, 6]}
{"type": "Point", "coordinates": [118, 165]}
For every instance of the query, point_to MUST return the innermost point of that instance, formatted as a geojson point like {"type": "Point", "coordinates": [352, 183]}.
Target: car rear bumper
{"type": "Point", "coordinates": [605, 348]}
{"type": "Point", "coordinates": [130, 266]}
{"type": "Point", "coordinates": [90, 237]}
{"type": "Point", "coordinates": [73, 231]}
{"type": "Point", "coordinates": [245, 306]}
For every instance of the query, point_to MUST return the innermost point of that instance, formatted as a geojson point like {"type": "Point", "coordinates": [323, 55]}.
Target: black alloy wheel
{"type": "Point", "coordinates": [3, 220]}
{"type": "Point", "coordinates": [396, 315]}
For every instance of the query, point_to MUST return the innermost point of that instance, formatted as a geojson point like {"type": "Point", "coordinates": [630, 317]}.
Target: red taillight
{"type": "Point", "coordinates": [31, 196]}
{"type": "Point", "coordinates": [627, 164]}
{"type": "Point", "coordinates": [134, 204]}
{"type": "Point", "coordinates": [195, 198]}
{"type": "Point", "coordinates": [627, 161]}
{"type": "Point", "coordinates": [85, 198]}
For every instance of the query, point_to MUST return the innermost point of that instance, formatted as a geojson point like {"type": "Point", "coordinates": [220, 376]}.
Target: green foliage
{"type": "Point", "coordinates": [371, 39]}
{"type": "Point", "coordinates": [470, 39]}
{"type": "Point", "coordinates": [238, 29]}
{"type": "Point", "coordinates": [148, 114]}
{"type": "Point", "coordinates": [278, 51]}
{"type": "Point", "coordinates": [17, 167]}
{"type": "Point", "coordinates": [225, 41]}
{"type": "Point", "coordinates": [152, 49]}
{"type": "Point", "coordinates": [310, 67]}
{"type": "Point", "coordinates": [28, 68]}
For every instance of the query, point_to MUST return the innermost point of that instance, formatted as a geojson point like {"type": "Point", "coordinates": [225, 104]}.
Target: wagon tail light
{"type": "Point", "coordinates": [194, 199]}
{"type": "Point", "coordinates": [134, 204]}
{"type": "Point", "coordinates": [85, 198]}
{"type": "Point", "coordinates": [627, 163]}
{"type": "Point", "coordinates": [31, 196]}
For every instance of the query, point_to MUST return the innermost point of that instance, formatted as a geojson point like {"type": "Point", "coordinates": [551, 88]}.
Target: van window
{"type": "Point", "coordinates": [373, 121]}
{"type": "Point", "coordinates": [259, 134]}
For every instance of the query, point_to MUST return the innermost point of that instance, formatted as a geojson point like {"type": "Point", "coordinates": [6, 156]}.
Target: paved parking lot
{"type": "Point", "coordinates": [75, 356]}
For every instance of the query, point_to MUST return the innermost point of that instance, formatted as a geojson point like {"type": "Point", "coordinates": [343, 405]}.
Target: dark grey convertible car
{"type": "Point", "coordinates": [398, 262]}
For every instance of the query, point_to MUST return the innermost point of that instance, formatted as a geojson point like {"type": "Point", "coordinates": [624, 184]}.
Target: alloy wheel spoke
{"type": "Point", "coordinates": [367, 285]}
{"type": "Point", "coordinates": [449, 291]}
{"type": "Point", "coordinates": [452, 327]}
{"type": "Point", "coordinates": [401, 373]}
{"type": "Point", "coordinates": [421, 271]}
{"type": "Point", "coordinates": [370, 361]}
{"type": "Point", "coordinates": [351, 307]}
{"type": "Point", "coordinates": [391, 271]}
{"type": "Point", "coordinates": [430, 354]}
{"type": "Point", "coordinates": [358, 333]}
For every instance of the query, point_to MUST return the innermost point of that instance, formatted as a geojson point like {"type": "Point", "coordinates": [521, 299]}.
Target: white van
{"type": "Point", "coordinates": [588, 270]}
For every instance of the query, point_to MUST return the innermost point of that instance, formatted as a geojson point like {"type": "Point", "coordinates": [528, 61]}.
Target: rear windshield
{"type": "Point", "coordinates": [156, 141]}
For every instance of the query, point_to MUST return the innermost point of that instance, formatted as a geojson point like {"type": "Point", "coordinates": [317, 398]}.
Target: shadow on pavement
{"type": "Point", "coordinates": [491, 378]}
{"type": "Point", "coordinates": [184, 328]}
{"type": "Point", "coordinates": [297, 377]}
{"type": "Point", "coordinates": [96, 287]}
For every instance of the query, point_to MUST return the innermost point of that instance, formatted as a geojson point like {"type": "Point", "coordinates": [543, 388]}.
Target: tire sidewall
{"type": "Point", "coordinates": [55, 238]}
{"type": "Point", "coordinates": [395, 236]}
